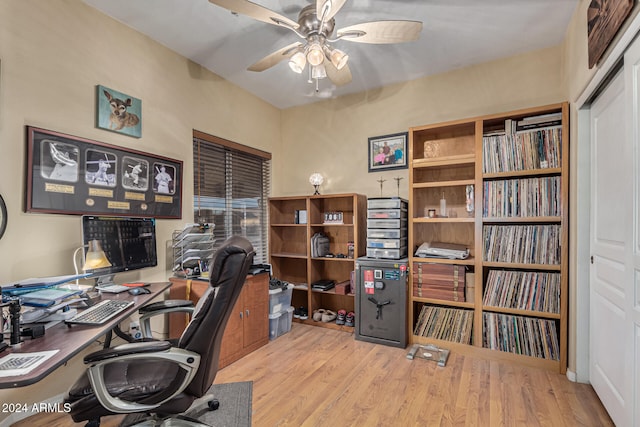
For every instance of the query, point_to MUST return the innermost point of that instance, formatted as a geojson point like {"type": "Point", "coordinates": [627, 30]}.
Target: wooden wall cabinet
{"type": "Point", "coordinates": [516, 229]}
{"type": "Point", "coordinates": [248, 326]}
{"type": "Point", "coordinates": [290, 251]}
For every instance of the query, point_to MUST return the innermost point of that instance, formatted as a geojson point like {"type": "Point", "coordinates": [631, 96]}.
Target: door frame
{"type": "Point", "coordinates": [580, 200]}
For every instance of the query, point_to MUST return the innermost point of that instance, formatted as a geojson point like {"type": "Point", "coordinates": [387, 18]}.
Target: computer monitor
{"type": "Point", "coordinates": [128, 242]}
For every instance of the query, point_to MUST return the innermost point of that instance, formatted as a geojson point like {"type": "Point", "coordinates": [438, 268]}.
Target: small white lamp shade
{"type": "Point", "coordinates": [316, 180]}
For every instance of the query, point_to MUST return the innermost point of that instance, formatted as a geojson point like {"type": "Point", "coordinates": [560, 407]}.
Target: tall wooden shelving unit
{"type": "Point", "coordinates": [444, 159]}
{"type": "Point", "coordinates": [290, 250]}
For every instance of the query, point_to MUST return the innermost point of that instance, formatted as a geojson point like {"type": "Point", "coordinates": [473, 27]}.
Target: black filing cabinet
{"type": "Point", "coordinates": [381, 301]}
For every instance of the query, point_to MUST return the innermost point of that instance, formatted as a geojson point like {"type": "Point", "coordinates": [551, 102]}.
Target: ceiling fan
{"type": "Point", "coordinates": [316, 25]}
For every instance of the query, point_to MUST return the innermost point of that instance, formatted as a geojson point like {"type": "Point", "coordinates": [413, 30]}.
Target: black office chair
{"type": "Point", "coordinates": [155, 378]}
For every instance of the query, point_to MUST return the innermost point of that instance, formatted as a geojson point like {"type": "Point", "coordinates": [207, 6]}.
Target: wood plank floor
{"type": "Point", "coordinates": [319, 377]}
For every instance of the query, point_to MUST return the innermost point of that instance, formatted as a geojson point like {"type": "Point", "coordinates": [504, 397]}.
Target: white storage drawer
{"type": "Point", "coordinates": [382, 233]}
{"type": "Point", "coordinates": [387, 253]}
{"type": "Point", "coordinates": [387, 243]}
{"type": "Point", "coordinates": [386, 223]}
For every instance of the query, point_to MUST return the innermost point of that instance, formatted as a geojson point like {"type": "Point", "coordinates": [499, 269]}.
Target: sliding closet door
{"type": "Point", "coordinates": [632, 79]}
{"type": "Point", "coordinates": [615, 244]}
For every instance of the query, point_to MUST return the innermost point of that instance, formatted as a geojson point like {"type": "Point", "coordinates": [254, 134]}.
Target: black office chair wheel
{"type": "Point", "coordinates": [213, 404]}
{"type": "Point", "coordinates": [93, 423]}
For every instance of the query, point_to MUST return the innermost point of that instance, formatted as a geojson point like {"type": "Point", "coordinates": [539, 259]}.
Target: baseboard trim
{"type": "Point", "coordinates": [571, 376]}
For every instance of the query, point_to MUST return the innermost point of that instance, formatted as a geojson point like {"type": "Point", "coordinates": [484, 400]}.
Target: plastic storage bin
{"type": "Point", "coordinates": [387, 243]}
{"type": "Point", "coordinates": [280, 299]}
{"type": "Point", "coordinates": [387, 223]}
{"type": "Point", "coordinates": [386, 203]}
{"type": "Point", "coordinates": [387, 213]}
{"type": "Point", "coordinates": [389, 233]}
{"type": "Point", "coordinates": [387, 253]}
{"type": "Point", "coordinates": [280, 323]}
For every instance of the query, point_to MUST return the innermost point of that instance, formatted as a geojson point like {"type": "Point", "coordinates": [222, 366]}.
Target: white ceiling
{"type": "Point", "coordinates": [456, 34]}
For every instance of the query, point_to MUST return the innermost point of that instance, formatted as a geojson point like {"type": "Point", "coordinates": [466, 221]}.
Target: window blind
{"type": "Point", "coordinates": [231, 187]}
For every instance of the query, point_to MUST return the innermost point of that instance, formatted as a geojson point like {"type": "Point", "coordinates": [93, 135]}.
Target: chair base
{"type": "Point", "coordinates": [173, 421]}
{"type": "Point", "coordinates": [207, 403]}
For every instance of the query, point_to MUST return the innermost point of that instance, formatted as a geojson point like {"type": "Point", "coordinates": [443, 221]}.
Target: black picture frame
{"type": "Point", "coordinates": [72, 175]}
{"type": "Point", "coordinates": [397, 147]}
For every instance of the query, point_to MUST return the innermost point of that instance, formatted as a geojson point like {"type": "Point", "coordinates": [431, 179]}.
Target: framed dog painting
{"type": "Point", "coordinates": [118, 112]}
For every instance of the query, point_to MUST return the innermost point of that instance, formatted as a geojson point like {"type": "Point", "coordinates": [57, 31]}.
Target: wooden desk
{"type": "Point", "coordinates": [71, 339]}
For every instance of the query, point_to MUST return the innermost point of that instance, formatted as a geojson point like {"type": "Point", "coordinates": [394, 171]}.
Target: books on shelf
{"type": "Point", "coordinates": [528, 336]}
{"type": "Point", "coordinates": [540, 121]}
{"type": "Point", "coordinates": [512, 126]}
{"type": "Point", "coordinates": [439, 281]}
{"type": "Point", "coordinates": [527, 197]}
{"type": "Point", "coordinates": [522, 244]}
{"type": "Point", "coordinates": [444, 323]}
{"type": "Point", "coordinates": [523, 290]}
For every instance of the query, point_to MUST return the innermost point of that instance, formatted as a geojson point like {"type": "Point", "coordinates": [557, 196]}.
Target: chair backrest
{"type": "Point", "coordinates": [203, 335]}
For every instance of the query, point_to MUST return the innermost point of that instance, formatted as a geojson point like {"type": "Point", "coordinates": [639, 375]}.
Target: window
{"type": "Point", "coordinates": [231, 183]}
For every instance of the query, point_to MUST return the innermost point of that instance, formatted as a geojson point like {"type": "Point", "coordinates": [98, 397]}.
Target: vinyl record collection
{"type": "Point", "coordinates": [523, 290]}
{"type": "Point", "coordinates": [523, 244]}
{"type": "Point", "coordinates": [522, 197]}
{"type": "Point", "coordinates": [521, 335]}
{"type": "Point", "coordinates": [443, 323]}
{"type": "Point", "coordinates": [538, 149]}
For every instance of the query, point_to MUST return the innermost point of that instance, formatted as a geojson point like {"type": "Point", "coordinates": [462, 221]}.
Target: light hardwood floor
{"type": "Point", "coordinates": [321, 377]}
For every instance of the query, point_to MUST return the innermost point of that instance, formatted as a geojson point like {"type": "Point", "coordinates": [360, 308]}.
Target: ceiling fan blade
{"type": "Point", "coordinates": [332, 7]}
{"type": "Point", "coordinates": [255, 11]}
{"type": "Point", "coordinates": [338, 77]}
{"type": "Point", "coordinates": [381, 32]}
{"type": "Point", "coordinates": [275, 57]}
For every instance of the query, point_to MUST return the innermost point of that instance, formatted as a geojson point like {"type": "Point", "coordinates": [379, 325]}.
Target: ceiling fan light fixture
{"type": "Point", "coordinates": [298, 61]}
{"type": "Point", "coordinates": [318, 72]}
{"type": "Point", "coordinates": [337, 57]}
{"type": "Point", "coordinates": [315, 55]}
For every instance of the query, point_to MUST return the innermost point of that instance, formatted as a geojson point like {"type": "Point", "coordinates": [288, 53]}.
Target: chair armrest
{"type": "Point", "coordinates": [187, 360]}
{"type": "Point", "coordinates": [161, 307]}
{"type": "Point", "coordinates": [127, 349]}
{"type": "Point", "coordinates": [165, 305]}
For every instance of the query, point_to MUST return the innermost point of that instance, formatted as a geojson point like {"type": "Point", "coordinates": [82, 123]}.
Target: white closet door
{"type": "Point", "coordinates": [632, 301]}
{"type": "Point", "coordinates": [615, 268]}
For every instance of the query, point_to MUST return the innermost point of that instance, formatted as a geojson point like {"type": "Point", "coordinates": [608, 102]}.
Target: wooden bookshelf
{"type": "Point", "coordinates": [446, 158]}
{"type": "Point", "coordinates": [290, 251]}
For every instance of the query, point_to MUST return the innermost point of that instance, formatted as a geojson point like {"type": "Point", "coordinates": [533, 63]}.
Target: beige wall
{"type": "Point", "coordinates": [52, 55]}
{"type": "Point", "coordinates": [330, 137]}
{"type": "Point", "coordinates": [54, 52]}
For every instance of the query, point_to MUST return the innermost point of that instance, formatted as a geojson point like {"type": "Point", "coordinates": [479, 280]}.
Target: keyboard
{"type": "Point", "coordinates": [113, 289]}
{"type": "Point", "coordinates": [100, 313]}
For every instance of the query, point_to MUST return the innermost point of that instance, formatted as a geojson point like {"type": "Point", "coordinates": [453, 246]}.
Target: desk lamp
{"type": "Point", "coordinates": [95, 258]}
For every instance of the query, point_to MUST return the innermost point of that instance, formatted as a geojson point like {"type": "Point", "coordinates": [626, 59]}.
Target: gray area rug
{"type": "Point", "coordinates": [235, 406]}
{"type": "Point", "coordinates": [234, 411]}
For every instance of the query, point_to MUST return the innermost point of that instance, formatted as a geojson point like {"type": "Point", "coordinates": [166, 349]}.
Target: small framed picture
{"type": "Point", "coordinates": [118, 112]}
{"type": "Point", "coordinates": [388, 152]}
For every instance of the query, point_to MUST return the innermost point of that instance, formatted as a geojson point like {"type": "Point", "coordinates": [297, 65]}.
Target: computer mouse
{"type": "Point", "coordinates": [139, 290]}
